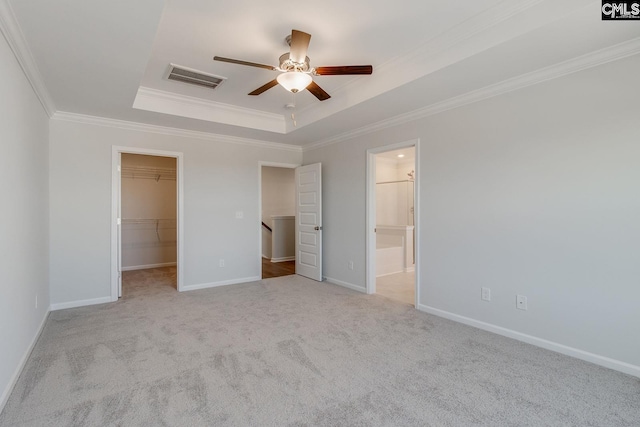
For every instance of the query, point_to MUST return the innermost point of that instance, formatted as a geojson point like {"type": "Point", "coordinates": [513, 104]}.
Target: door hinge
{"type": "Point", "coordinates": [118, 221]}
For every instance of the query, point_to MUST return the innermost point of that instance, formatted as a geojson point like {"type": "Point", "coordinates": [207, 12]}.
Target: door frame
{"type": "Point", "coordinates": [370, 251]}
{"type": "Point", "coordinates": [116, 194]}
{"type": "Point", "coordinates": [271, 165]}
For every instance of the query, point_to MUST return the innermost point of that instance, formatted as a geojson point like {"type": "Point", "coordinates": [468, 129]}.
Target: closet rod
{"type": "Point", "coordinates": [145, 220]}
{"type": "Point", "coordinates": [143, 172]}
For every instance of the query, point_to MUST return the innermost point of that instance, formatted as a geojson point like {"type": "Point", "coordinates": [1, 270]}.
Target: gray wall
{"type": "Point", "coordinates": [219, 179]}
{"type": "Point", "coordinates": [534, 192]}
{"type": "Point", "coordinates": [24, 233]}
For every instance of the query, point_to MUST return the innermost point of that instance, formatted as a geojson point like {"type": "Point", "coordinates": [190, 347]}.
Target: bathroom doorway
{"type": "Point", "coordinates": [392, 205]}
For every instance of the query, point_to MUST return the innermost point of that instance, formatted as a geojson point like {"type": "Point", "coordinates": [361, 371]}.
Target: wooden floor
{"type": "Point", "coordinates": [277, 269]}
{"type": "Point", "coordinates": [399, 287]}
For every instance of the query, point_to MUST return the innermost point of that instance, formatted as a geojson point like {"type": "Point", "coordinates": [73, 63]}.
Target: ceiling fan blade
{"type": "Point", "coordinates": [317, 91]}
{"type": "Point", "coordinates": [237, 61]}
{"type": "Point", "coordinates": [264, 87]}
{"type": "Point", "coordinates": [344, 70]}
{"type": "Point", "coordinates": [299, 45]}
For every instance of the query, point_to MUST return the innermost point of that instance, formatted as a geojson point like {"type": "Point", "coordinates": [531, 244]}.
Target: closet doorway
{"type": "Point", "coordinates": [392, 222]}
{"type": "Point", "coordinates": [277, 213]}
{"type": "Point", "coordinates": [147, 207]}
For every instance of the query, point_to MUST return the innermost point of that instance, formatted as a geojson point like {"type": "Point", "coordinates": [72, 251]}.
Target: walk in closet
{"type": "Point", "coordinates": [148, 211]}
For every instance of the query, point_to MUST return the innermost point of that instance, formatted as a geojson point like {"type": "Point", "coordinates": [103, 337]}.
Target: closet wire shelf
{"type": "Point", "coordinates": [142, 172]}
{"type": "Point", "coordinates": [156, 224]}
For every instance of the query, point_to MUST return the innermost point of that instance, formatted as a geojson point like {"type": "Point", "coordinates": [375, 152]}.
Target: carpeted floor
{"type": "Point", "coordinates": [290, 351]}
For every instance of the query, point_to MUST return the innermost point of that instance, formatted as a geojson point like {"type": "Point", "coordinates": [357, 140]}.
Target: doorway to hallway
{"type": "Point", "coordinates": [277, 221]}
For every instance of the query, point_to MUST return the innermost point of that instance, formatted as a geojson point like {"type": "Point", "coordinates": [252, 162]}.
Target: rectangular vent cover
{"type": "Point", "coordinates": [194, 77]}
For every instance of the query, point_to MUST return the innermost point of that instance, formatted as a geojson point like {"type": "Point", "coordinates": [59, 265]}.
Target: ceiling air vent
{"type": "Point", "coordinates": [194, 77]}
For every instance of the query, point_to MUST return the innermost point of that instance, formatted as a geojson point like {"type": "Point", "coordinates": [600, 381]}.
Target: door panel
{"type": "Point", "coordinates": [309, 221]}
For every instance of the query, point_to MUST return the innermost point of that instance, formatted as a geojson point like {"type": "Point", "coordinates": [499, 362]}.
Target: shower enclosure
{"type": "Point", "coordinates": [394, 202]}
{"type": "Point", "coordinates": [395, 251]}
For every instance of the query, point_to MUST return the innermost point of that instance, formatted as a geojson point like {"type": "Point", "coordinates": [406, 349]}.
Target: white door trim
{"type": "Point", "coordinates": [116, 151]}
{"type": "Point", "coordinates": [370, 250]}
{"type": "Point", "coordinates": [260, 165]}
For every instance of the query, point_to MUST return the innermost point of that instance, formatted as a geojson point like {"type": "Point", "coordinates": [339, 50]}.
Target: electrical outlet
{"type": "Point", "coordinates": [485, 294]}
{"type": "Point", "coordinates": [521, 302]}
{"type": "Point", "coordinates": [221, 263]}
{"type": "Point", "coordinates": [350, 265]}
{"type": "Point", "coordinates": [239, 214]}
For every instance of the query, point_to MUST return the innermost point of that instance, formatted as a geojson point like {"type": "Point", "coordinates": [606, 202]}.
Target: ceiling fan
{"type": "Point", "coordinates": [295, 69]}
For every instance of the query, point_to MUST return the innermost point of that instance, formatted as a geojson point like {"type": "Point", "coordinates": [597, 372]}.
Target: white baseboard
{"type": "Point", "coordinates": [283, 259]}
{"type": "Point", "coordinates": [16, 374]}
{"type": "Point", "coordinates": [346, 285]}
{"type": "Point", "coordinates": [222, 283]}
{"type": "Point", "coordinates": [145, 266]}
{"type": "Point", "coordinates": [81, 303]}
{"type": "Point", "coordinates": [607, 362]}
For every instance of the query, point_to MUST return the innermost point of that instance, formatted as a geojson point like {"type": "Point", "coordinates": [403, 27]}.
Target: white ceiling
{"type": "Point", "coordinates": [102, 58]}
{"type": "Point", "coordinates": [407, 154]}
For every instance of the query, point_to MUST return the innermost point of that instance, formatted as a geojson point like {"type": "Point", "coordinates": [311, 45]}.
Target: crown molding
{"type": "Point", "coordinates": [197, 108]}
{"type": "Point", "coordinates": [583, 62]}
{"type": "Point", "coordinates": [12, 32]}
{"type": "Point", "coordinates": [164, 130]}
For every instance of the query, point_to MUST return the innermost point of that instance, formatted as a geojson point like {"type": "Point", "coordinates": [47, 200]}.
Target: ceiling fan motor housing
{"type": "Point", "coordinates": [286, 64]}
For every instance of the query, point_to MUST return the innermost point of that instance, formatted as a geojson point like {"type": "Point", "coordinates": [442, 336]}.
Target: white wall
{"type": "Point", "coordinates": [24, 261]}
{"type": "Point", "coordinates": [387, 194]}
{"type": "Point", "coordinates": [147, 243]}
{"type": "Point", "coordinates": [283, 238]}
{"type": "Point", "coordinates": [266, 243]}
{"type": "Point", "coordinates": [278, 192]}
{"type": "Point", "coordinates": [534, 192]}
{"type": "Point", "coordinates": [219, 179]}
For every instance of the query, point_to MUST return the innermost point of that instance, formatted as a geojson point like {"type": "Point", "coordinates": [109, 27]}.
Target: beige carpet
{"type": "Point", "coordinates": [290, 351]}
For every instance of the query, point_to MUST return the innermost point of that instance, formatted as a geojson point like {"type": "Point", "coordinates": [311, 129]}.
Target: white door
{"type": "Point", "coordinates": [309, 221]}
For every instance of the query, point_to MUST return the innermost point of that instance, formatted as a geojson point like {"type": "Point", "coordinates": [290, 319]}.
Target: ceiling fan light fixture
{"type": "Point", "coordinates": [294, 81]}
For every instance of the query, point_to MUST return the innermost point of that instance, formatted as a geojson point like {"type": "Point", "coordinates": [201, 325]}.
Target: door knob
{"type": "Point", "coordinates": [317, 228]}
